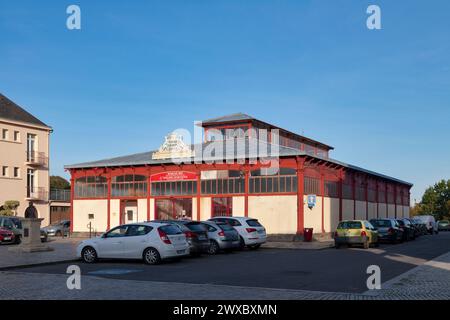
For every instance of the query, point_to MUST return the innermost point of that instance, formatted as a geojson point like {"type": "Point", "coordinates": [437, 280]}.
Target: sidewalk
{"type": "Point", "coordinates": [64, 250]}
{"type": "Point", "coordinates": [313, 245]}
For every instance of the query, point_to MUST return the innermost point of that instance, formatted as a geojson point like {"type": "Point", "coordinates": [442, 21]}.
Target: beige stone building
{"type": "Point", "coordinates": [24, 158]}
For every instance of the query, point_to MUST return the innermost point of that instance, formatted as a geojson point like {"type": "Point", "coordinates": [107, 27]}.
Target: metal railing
{"type": "Point", "coordinates": [37, 158]}
{"type": "Point", "coordinates": [37, 193]}
{"type": "Point", "coordinates": [61, 195]}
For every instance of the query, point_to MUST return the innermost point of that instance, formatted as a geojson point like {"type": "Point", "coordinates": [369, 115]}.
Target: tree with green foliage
{"type": "Point", "coordinates": [9, 208]}
{"type": "Point", "coordinates": [57, 182]}
{"type": "Point", "coordinates": [435, 201]}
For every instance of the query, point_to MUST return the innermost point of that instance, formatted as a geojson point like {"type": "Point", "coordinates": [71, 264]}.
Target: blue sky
{"type": "Point", "coordinates": [139, 69]}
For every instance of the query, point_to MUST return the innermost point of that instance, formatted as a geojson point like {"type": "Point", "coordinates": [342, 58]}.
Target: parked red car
{"type": "Point", "coordinates": [6, 236]}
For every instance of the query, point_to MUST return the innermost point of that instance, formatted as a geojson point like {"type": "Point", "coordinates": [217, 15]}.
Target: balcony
{"type": "Point", "coordinates": [37, 194]}
{"type": "Point", "coordinates": [36, 159]}
{"type": "Point", "coordinates": [59, 195]}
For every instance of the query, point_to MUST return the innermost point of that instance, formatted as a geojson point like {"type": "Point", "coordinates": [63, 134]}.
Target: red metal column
{"type": "Point", "coordinates": [377, 198]}
{"type": "Point", "coordinates": [199, 190]}
{"type": "Point", "coordinates": [149, 192]}
{"type": "Point", "coordinates": [300, 192]}
{"type": "Point", "coordinates": [386, 198]}
{"type": "Point", "coordinates": [367, 197]}
{"type": "Point", "coordinates": [341, 178]}
{"type": "Point", "coordinates": [395, 200]}
{"type": "Point", "coordinates": [246, 187]}
{"type": "Point", "coordinates": [354, 195]}
{"type": "Point", "coordinates": [401, 199]}
{"type": "Point", "coordinates": [108, 221]}
{"type": "Point", "coordinates": [72, 192]}
{"type": "Point", "coordinates": [322, 192]}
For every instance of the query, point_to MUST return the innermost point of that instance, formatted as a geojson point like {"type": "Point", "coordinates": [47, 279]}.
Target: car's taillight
{"type": "Point", "coordinates": [363, 234]}
{"type": "Point", "coordinates": [391, 231]}
{"type": "Point", "coordinates": [221, 234]}
{"type": "Point", "coordinates": [250, 230]}
{"type": "Point", "coordinates": [190, 234]}
{"type": "Point", "coordinates": [164, 237]}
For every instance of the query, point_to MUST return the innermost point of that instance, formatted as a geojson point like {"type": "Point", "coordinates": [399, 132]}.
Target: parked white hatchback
{"type": "Point", "coordinates": [149, 241]}
{"type": "Point", "coordinates": [252, 233]}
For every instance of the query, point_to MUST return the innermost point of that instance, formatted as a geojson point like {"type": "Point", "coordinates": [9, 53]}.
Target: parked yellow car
{"type": "Point", "coordinates": [359, 232]}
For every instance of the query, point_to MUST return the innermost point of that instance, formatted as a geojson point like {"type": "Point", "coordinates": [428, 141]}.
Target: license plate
{"type": "Point", "coordinates": [180, 251]}
{"type": "Point", "coordinates": [202, 238]}
{"type": "Point", "coordinates": [260, 231]}
{"type": "Point", "coordinates": [7, 238]}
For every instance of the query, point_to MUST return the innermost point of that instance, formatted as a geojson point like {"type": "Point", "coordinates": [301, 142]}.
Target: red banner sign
{"type": "Point", "coordinates": [174, 176]}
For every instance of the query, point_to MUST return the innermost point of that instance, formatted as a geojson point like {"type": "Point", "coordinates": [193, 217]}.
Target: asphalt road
{"type": "Point", "coordinates": [331, 270]}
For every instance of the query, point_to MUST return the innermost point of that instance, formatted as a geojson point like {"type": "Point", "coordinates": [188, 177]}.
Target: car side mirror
{"type": "Point", "coordinates": [103, 235]}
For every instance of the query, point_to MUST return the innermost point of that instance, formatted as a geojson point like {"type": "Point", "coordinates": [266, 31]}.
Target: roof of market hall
{"type": "Point", "coordinates": [242, 150]}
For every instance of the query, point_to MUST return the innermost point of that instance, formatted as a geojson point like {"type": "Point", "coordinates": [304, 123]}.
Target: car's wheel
{"type": "Point", "coordinates": [241, 243]}
{"type": "Point", "coordinates": [213, 247]}
{"type": "Point", "coordinates": [89, 255]}
{"type": "Point", "coordinates": [151, 256]}
{"type": "Point", "coordinates": [376, 244]}
{"type": "Point", "coordinates": [58, 234]}
{"type": "Point", "coordinates": [337, 245]}
{"type": "Point", "coordinates": [17, 240]}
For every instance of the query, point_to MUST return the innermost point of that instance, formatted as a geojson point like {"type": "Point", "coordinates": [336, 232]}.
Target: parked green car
{"type": "Point", "coordinates": [443, 225]}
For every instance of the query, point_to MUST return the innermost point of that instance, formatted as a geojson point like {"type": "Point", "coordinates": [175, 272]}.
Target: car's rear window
{"type": "Point", "coordinates": [381, 223]}
{"type": "Point", "coordinates": [195, 226]}
{"type": "Point", "coordinates": [254, 223]}
{"type": "Point", "coordinates": [170, 230]}
{"type": "Point", "coordinates": [350, 225]}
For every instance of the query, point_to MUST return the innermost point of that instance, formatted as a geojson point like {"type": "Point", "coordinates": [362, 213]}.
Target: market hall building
{"type": "Point", "coordinates": [309, 190]}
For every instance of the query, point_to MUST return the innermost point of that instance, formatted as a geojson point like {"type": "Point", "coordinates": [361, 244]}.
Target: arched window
{"type": "Point", "coordinates": [91, 187]}
{"type": "Point", "coordinates": [129, 186]}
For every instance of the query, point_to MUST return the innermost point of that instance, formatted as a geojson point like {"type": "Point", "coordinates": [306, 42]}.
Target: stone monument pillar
{"type": "Point", "coordinates": [31, 237]}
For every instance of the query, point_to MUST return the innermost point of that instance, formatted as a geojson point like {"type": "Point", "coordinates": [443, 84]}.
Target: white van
{"type": "Point", "coordinates": [430, 223]}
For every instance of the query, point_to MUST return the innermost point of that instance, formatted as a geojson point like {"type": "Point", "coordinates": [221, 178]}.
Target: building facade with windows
{"type": "Point", "coordinates": [24, 158]}
{"type": "Point", "coordinates": [244, 167]}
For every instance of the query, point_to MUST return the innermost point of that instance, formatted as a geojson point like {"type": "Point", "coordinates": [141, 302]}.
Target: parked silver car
{"type": "Point", "coordinates": [58, 229]}
{"type": "Point", "coordinates": [222, 236]}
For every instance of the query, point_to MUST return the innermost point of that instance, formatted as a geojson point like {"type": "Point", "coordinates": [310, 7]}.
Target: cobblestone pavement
{"type": "Point", "coordinates": [428, 281]}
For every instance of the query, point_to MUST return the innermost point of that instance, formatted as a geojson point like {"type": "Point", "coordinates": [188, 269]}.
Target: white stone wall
{"type": "Point", "coordinates": [277, 213]}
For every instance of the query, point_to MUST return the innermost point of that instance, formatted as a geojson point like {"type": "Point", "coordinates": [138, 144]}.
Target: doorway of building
{"type": "Point", "coordinates": [129, 211]}
{"type": "Point", "coordinates": [173, 208]}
